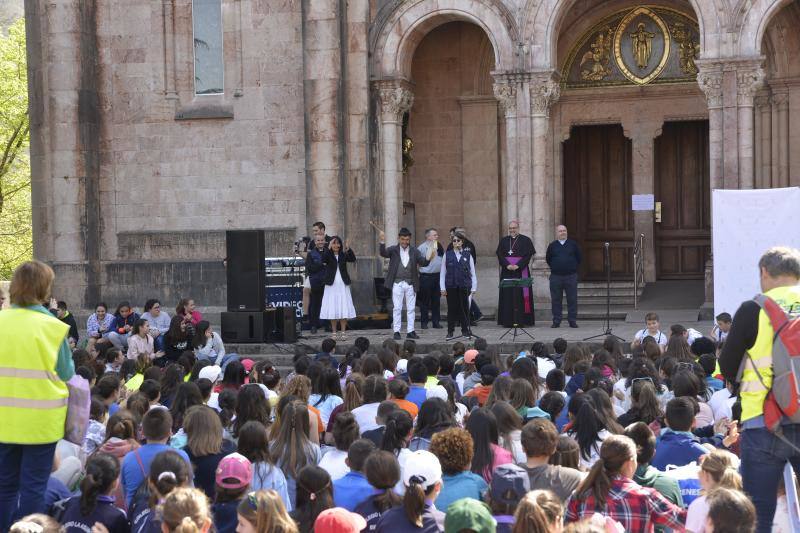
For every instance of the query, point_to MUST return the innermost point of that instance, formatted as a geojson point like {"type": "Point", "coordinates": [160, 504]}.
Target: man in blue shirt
{"type": "Point", "coordinates": [353, 488]}
{"type": "Point", "coordinates": [157, 429]}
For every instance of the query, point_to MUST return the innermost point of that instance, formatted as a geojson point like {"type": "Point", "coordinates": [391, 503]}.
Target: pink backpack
{"type": "Point", "coordinates": [78, 407]}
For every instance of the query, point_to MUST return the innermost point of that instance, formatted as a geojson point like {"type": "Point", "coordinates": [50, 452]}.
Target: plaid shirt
{"type": "Point", "coordinates": [635, 507]}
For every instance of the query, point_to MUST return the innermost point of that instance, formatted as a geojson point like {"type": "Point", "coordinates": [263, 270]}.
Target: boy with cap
{"type": "Point", "coordinates": [353, 488]}
{"type": "Point", "coordinates": [465, 383]}
{"type": "Point", "coordinates": [468, 515]}
{"type": "Point", "coordinates": [339, 520]}
{"type": "Point", "coordinates": [510, 483]}
{"type": "Point", "coordinates": [232, 481]}
{"type": "Point", "coordinates": [482, 391]}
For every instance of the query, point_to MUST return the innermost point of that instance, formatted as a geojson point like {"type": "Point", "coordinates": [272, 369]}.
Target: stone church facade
{"type": "Point", "coordinates": [157, 125]}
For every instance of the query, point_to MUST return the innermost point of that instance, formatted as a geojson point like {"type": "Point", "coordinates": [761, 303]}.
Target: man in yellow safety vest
{"type": "Point", "coordinates": [764, 453]}
{"type": "Point", "coordinates": [35, 362]}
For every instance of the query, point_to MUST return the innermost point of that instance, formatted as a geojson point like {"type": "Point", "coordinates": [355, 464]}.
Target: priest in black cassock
{"type": "Point", "coordinates": [514, 254]}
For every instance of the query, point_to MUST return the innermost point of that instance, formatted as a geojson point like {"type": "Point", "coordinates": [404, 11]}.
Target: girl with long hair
{"type": "Point", "coordinates": [587, 428]}
{"type": "Point", "coordinates": [140, 342]}
{"type": "Point", "coordinates": [353, 398]}
{"type": "Point", "coordinates": [177, 339]}
{"type": "Point", "coordinates": [718, 470]}
{"type": "Point", "coordinates": [645, 406]}
{"type": "Point", "coordinates": [188, 312]}
{"type": "Point", "coordinates": [263, 511]}
{"type": "Point", "coordinates": [314, 495]}
{"type": "Point", "coordinates": [487, 455]}
{"type": "Point", "coordinates": [540, 511]}
{"type": "Point", "coordinates": [207, 344]}
{"type": "Point", "coordinates": [345, 433]}
{"type": "Point", "coordinates": [187, 395]}
{"type": "Point", "coordinates": [292, 449]}
{"type": "Point", "coordinates": [509, 428]}
{"type": "Point", "coordinates": [434, 415]}
{"type": "Point", "coordinates": [606, 410]}
{"type": "Point", "coordinates": [375, 391]}
{"type": "Point", "coordinates": [337, 302]}
{"type": "Point", "coordinates": [120, 439]}
{"type": "Point", "coordinates": [233, 377]}
{"type": "Point", "coordinates": [96, 502]}
{"type": "Point", "coordinates": [254, 445]}
{"type": "Point", "coordinates": [609, 489]}
{"type": "Point", "coordinates": [686, 383]}
{"type": "Point", "coordinates": [326, 393]}
{"type": "Point", "coordinates": [383, 473]}
{"type": "Point", "coordinates": [205, 445]}
{"type": "Point", "coordinates": [679, 348]}
{"type": "Point", "coordinates": [168, 471]}
{"type": "Point", "coordinates": [568, 453]}
{"type": "Point", "coordinates": [251, 405]}
{"type": "Point", "coordinates": [423, 482]}
{"type": "Point", "coordinates": [396, 437]}
{"type": "Point", "coordinates": [170, 379]}
{"type": "Point", "coordinates": [501, 391]}
{"type": "Point", "coordinates": [300, 388]}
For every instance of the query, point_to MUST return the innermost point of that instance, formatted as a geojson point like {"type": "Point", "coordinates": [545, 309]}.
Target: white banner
{"type": "Point", "coordinates": [745, 224]}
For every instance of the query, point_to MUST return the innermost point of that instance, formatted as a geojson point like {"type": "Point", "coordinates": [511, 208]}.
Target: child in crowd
{"type": "Point", "coordinates": [723, 325]}
{"type": "Point", "coordinates": [418, 377]}
{"type": "Point", "coordinates": [186, 510]}
{"type": "Point", "coordinates": [540, 511]}
{"type": "Point", "coordinates": [383, 473]}
{"type": "Point", "coordinates": [338, 520]}
{"type": "Point", "coordinates": [96, 431]}
{"type": "Point", "coordinates": [233, 477]}
{"type": "Point", "coordinates": [678, 446]}
{"type": "Point", "coordinates": [314, 495]}
{"type": "Point", "coordinates": [168, 472]}
{"type": "Point", "coordinates": [510, 484]}
{"type": "Point", "coordinates": [96, 502]}
{"type": "Point", "coordinates": [481, 392]}
{"type": "Point", "coordinates": [718, 470]}
{"type": "Point", "coordinates": [730, 511]}
{"type": "Point", "coordinates": [468, 515]}
{"type": "Point", "coordinates": [345, 433]}
{"type": "Point", "coordinates": [487, 455]}
{"type": "Point", "coordinates": [453, 447]}
{"type": "Point", "coordinates": [353, 488]}
{"type": "Point", "coordinates": [398, 391]}
{"type": "Point", "coordinates": [652, 329]}
{"type": "Point", "coordinates": [556, 381]}
{"type": "Point", "coordinates": [254, 445]}
{"type": "Point", "coordinates": [422, 479]}
{"type": "Point", "coordinates": [263, 511]}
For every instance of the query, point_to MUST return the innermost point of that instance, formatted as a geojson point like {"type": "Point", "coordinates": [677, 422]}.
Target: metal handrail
{"type": "Point", "coordinates": [638, 268]}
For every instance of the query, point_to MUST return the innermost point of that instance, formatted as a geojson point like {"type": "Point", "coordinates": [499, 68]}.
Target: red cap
{"type": "Point", "coordinates": [470, 355]}
{"type": "Point", "coordinates": [339, 520]}
{"type": "Point", "coordinates": [247, 364]}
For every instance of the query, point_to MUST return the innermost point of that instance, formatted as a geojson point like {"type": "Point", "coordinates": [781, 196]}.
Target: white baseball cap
{"type": "Point", "coordinates": [402, 366]}
{"type": "Point", "coordinates": [211, 373]}
{"type": "Point", "coordinates": [422, 468]}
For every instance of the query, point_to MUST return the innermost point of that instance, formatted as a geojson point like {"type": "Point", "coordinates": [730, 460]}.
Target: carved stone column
{"type": "Point", "coordinates": [505, 90]}
{"type": "Point", "coordinates": [396, 99]}
{"type": "Point", "coordinates": [780, 103]}
{"type": "Point", "coordinates": [747, 83]}
{"type": "Point", "coordinates": [544, 91]}
{"type": "Point", "coordinates": [710, 81]}
{"type": "Point", "coordinates": [763, 113]}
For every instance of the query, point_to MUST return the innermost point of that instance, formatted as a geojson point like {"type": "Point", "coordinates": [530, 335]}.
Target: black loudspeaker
{"type": "Point", "coordinates": [244, 327]}
{"type": "Point", "coordinates": [280, 325]}
{"type": "Point", "coordinates": [245, 270]}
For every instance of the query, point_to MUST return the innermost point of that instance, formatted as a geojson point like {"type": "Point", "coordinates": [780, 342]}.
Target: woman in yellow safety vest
{"type": "Point", "coordinates": [35, 362]}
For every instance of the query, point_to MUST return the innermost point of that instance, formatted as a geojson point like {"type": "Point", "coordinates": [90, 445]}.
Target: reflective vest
{"type": "Point", "coordinates": [33, 399]}
{"type": "Point", "coordinates": [752, 391]}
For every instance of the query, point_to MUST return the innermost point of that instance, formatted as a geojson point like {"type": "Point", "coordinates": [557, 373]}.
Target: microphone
{"type": "Point", "coordinates": [606, 244]}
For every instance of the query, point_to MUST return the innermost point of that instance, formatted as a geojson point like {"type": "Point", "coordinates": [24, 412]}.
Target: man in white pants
{"type": "Point", "coordinates": [402, 279]}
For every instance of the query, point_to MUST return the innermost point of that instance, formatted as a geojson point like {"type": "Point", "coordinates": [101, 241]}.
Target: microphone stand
{"type": "Point", "coordinates": [607, 321]}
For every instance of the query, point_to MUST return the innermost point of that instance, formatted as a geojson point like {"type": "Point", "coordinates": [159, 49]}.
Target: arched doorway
{"type": "Point", "coordinates": [453, 124]}
{"type": "Point", "coordinates": [633, 123]}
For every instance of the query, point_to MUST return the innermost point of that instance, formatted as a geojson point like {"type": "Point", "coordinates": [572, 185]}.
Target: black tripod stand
{"type": "Point", "coordinates": [607, 321]}
{"type": "Point", "coordinates": [515, 283]}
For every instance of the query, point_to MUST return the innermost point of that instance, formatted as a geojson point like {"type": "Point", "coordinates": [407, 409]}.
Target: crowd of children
{"type": "Point", "coordinates": [185, 437]}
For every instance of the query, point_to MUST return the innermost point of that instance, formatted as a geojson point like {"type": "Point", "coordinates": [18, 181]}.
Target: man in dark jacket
{"type": "Point", "coordinates": [402, 279]}
{"type": "Point", "coordinates": [564, 258]}
{"type": "Point", "coordinates": [316, 277]}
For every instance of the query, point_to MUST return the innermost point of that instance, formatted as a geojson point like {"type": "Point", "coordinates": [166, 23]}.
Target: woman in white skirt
{"type": "Point", "coordinates": [337, 302]}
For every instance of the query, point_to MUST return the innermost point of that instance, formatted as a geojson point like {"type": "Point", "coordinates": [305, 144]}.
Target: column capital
{"type": "Point", "coordinates": [780, 95]}
{"type": "Point", "coordinates": [748, 82]}
{"type": "Point", "coordinates": [506, 94]}
{"type": "Point", "coordinates": [396, 98]}
{"type": "Point", "coordinates": [545, 90]}
{"type": "Point", "coordinates": [709, 79]}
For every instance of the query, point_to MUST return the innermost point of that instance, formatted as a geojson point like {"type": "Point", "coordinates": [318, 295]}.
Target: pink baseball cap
{"type": "Point", "coordinates": [339, 520]}
{"type": "Point", "coordinates": [469, 356]}
{"type": "Point", "coordinates": [248, 364]}
{"type": "Point", "coordinates": [234, 472]}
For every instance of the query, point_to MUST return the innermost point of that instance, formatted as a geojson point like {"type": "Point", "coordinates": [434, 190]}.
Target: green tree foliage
{"type": "Point", "coordinates": [16, 244]}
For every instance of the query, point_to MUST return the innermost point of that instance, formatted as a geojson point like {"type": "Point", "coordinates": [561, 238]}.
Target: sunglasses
{"type": "Point", "coordinates": [634, 380]}
{"type": "Point", "coordinates": [455, 239]}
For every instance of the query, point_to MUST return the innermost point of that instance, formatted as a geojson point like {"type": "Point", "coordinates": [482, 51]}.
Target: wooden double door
{"type": "Point", "coordinates": [597, 199]}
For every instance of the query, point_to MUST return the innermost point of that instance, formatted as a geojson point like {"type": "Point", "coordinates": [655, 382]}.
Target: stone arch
{"type": "Point", "coordinates": [753, 23]}
{"type": "Point", "coordinates": [409, 22]}
{"type": "Point", "coordinates": [543, 20]}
